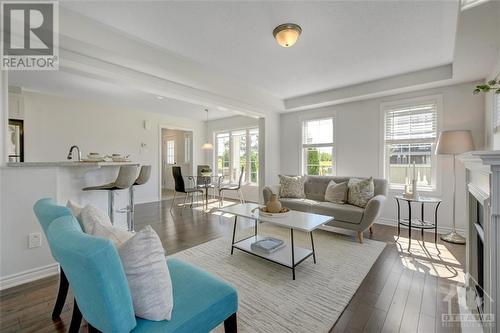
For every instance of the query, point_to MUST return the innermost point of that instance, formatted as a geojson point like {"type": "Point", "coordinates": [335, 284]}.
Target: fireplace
{"type": "Point", "coordinates": [482, 265]}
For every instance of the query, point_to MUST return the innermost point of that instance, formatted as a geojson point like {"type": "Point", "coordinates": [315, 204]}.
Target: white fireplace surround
{"type": "Point", "coordinates": [483, 185]}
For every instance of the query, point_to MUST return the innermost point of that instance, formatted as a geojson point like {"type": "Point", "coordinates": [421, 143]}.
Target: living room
{"type": "Point", "coordinates": [303, 166]}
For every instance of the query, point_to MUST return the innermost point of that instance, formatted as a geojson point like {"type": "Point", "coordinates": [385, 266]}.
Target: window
{"type": "Point", "coordinates": [409, 138]}
{"type": "Point", "coordinates": [170, 151]}
{"type": "Point", "coordinates": [318, 147]}
{"type": "Point", "coordinates": [236, 149]}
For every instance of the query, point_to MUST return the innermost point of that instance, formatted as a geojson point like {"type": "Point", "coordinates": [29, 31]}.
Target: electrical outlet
{"type": "Point", "coordinates": [34, 240]}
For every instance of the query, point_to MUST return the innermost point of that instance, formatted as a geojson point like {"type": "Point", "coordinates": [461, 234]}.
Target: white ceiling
{"type": "Point", "coordinates": [84, 88]}
{"type": "Point", "coordinates": [343, 42]}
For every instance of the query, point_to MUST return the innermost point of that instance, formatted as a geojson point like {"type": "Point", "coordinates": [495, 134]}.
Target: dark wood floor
{"type": "Point", "coordinates": [403, 292]}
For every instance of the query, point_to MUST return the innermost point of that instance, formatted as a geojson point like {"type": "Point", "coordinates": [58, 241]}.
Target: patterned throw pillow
{"type": "Point", "coordinates": [336, 193]}
{"type": "Point", "coordinates": [291, 186]}
{"type": "Point", "coordinates": [360, 191]}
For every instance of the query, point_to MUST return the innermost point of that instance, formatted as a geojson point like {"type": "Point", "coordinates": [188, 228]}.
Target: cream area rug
{"type": "Point", "coordinates": [269, 300]}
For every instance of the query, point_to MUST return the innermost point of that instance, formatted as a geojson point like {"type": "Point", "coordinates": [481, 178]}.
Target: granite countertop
{"type": "Point", "coordinates": [67, 164]}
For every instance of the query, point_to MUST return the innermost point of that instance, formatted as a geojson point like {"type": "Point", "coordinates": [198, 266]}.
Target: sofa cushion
{"type": "Point", "coordinates": [303, 205]}
{"type": "Point", "coordinates": [336, 193]}
{"type": "Point", "coordinates": [201, 301]}
{"type": "Point", "coordinates": [341, 212]}
{"type": "Point", "coordinates": [360, 191]}
{"type": "Point", "coordinates": [291, 186]}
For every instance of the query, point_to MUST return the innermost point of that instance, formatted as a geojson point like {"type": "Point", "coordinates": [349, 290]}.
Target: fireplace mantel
{"type": "Point", "coordinates": [483, 187]}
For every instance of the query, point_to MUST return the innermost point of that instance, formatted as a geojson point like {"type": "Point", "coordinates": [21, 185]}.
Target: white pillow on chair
{"type": "Point", "coordinates": [97, 223]}
{"type": "Point", "coordinates": [145, 265]}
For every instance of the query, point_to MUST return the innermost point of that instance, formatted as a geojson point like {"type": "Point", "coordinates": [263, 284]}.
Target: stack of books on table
{"type": "Point", "coordinates": [267, 245]}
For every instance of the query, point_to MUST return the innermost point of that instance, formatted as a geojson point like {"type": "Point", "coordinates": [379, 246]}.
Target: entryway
{"type": "Point", "coordinates": [176, 150]}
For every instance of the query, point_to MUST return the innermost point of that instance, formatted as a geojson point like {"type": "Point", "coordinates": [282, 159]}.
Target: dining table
{"type": "Point", "coordinates": [205, 183]}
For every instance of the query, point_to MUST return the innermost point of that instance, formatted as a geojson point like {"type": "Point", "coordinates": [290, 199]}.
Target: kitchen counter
{"type": "Point", "coordinates": [68, 164]}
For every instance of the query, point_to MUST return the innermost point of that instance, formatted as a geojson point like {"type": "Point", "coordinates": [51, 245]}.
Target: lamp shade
{"type": "Point", "coordinates": [454, 142]}
{"type": "Point", "coordinates": [207, 146]}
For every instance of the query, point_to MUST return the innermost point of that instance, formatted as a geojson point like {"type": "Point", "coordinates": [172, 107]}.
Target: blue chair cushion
{"type": "Point", "coordinates": [201, 301]}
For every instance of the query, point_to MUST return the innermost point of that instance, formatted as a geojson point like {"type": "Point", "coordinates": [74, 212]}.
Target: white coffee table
{"type": "Point", "coordinates": [290, 255]}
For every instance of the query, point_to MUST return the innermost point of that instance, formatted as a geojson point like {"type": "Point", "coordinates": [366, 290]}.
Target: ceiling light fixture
{"type": "Point", "coordinates": [207, 145]}
{"type": "Point", "coordinates": [160, 97]}
{"type": "Point", "coordinates": [287, 34]}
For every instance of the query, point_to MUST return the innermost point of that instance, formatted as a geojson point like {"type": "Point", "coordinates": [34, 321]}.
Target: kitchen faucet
{"type": "Point", "coordinates": [70, 155]}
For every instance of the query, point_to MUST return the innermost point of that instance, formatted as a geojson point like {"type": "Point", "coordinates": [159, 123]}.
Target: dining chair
{"type": "Point", "coordinates": [180, 187]}
{"type": "Point", "coordinates": [230, 187]}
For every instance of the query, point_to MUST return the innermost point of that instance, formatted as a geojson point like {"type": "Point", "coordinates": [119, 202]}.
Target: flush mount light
{"type": "Point", "coordinates": [287, 34]}
{"type": "Point", "coordinates": [160, 97]}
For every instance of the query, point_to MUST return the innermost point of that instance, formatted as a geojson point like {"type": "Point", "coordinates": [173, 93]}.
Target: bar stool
{"type": "Point", "coordinates": [142, 179]}
{"type": "Point", "coordinates": [125, 179]}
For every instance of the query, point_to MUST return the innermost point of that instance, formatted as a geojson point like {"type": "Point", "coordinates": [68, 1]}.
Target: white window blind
{"type": "Point", "coordinates": [416, 123]}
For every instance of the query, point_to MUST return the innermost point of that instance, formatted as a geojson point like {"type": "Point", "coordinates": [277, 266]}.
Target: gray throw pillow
{"type": "Point", "coordinates": [360, 191]}
{"type": "Point", "coordinates": [291, 186]}
{"type": "Point", "coordinates": [336, 193]}
{"type": "Point", "coordinates": [145, 265]}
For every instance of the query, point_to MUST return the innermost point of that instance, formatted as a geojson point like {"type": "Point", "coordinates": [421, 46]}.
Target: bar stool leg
{"type": "Point", "coordinates": [131, 226]}
{"type": "Point", "coordinates": [111, 206]}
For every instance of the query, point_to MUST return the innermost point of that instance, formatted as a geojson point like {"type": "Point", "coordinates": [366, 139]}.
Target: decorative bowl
{"type": "Point", "coordinates": [284, 212]}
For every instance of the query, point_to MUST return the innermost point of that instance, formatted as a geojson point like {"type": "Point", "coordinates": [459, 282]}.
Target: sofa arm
{"type": "Point", "coordinates": [268, 191]}
{"type": "Point", "coordinates": [372, 210]}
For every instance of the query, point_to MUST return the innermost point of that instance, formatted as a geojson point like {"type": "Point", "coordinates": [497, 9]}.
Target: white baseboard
{"type": "Point", "coordinates": [30, 275]}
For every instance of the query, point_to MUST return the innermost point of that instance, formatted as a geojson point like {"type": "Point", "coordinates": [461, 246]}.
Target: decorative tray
{"type": "Point", "coordinates": [284, 212]}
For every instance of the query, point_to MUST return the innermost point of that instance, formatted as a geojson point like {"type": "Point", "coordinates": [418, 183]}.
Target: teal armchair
{"type": "Point", "coordinates": [97, 279]}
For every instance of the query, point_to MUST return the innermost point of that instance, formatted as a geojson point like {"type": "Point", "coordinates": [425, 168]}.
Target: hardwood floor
{"type": "Point", "coordinates": [403, 292]}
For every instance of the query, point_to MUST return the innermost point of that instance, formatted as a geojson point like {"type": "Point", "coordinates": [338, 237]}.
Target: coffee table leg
{"type": "Point", "coordinates": [293, 255]}
{"type": "Point", "coordinates": [409, 226]}
{"type": "Point", "coordinates": [234, 233]}
{"type": "Point", "coordinates": [312, 245]}
{"type": "Point", "coordinates": [256, 223]}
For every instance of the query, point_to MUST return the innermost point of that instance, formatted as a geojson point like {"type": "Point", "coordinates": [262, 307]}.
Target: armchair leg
{"type": "Point", "coordinates": [371, 230]}
{"type": "Point", "coordinates": [76, 319]}
{"type": "Point", "coordinates": [360, 237]}
{"type": "Point", "coordinates": [61, 295]}
{"type": "Point", "coordinates": [230, 324]}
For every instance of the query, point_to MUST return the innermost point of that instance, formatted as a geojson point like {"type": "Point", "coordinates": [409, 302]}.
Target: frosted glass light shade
{"type": "Point", "coordinates": [454, 142]}
{"type": "Point", "coordinates": [207, 146]}
{"type": "Point", "coordinates": [287, 34]}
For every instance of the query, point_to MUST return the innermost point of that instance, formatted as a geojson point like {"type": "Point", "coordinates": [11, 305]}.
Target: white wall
{"type": "Point", "coordinates": [52, 124]}
{"type": "Point", "coordinates": [358, 129]}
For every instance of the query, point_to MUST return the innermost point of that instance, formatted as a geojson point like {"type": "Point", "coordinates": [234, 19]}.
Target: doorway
{"type": "Point", "coordinates": [176, 150]}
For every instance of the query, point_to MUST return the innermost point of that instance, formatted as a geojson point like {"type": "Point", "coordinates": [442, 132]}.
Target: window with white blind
{"type": "Point", "coordinates": [496, 112]}
{"type": "Point", "coordinates": [318, 147]}
{"type": "Point", "coordinates": [410, 133]}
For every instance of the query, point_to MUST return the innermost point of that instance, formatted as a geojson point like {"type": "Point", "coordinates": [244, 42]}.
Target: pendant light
{"type": "Point", "coordinates": [207, 145]}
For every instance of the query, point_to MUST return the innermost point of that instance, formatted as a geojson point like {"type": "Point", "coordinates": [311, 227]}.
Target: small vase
{"type": "Point", "coordinates": [273, 205]}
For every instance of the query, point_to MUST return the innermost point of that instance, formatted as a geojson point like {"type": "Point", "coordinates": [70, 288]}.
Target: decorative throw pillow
{"type": "Point", "coordinates": [97, 223]}
{"type": "Point", "coordinates": [360, 191]}
{"type": "Point", "coordinates": [143, 259]}
{"type": "Point", "coordinates": [336, 193]}
{"type": "Point", "coordinates": [75, 208]}
{"type": "Point", "coordinates": [291, 186]}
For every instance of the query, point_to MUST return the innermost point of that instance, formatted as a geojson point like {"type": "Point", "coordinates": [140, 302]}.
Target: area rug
{"type": "Point", "coordinates": [269, 300]}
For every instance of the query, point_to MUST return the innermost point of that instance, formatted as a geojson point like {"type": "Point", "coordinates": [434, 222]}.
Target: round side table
{"type": "Point", "coordinates": [414, 222]}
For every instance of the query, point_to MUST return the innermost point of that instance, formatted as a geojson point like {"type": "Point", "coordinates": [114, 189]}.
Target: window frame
{"type": "Point", "coordinates": [435, 187]}
{"type": "Point", "coordinates": [304, 146]}
{"type": "Point", "coordinates": [174, 149]}
{"type": "Point", "coordinates": [248, 175]}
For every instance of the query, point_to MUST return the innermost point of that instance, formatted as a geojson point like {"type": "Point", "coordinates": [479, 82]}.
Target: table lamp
{"type": "Point", "coordinates": [454, 143]}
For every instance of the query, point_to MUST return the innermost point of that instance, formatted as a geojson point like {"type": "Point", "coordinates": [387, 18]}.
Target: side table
{"type": "Point", "coordinates": [419, 223]}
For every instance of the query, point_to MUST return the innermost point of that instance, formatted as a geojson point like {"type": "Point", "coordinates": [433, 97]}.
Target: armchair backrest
{"type": "Point", "coordinates": [94, 271]}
